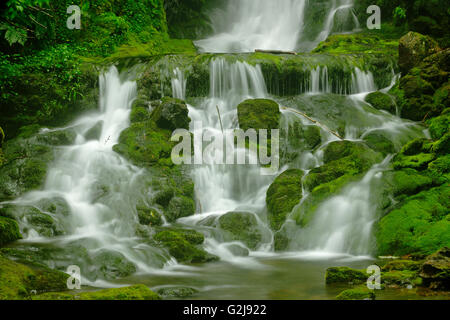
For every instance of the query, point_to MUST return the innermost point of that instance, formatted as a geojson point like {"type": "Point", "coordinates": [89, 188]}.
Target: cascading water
{"type": "Point", "coordinates": [247, 25]}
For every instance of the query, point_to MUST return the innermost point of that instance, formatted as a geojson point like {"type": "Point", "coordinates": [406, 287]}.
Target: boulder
{"type": "Point", "coordinates": [381, 101]}
{"type": "Point", "coordinates": [258, 114]}
{"type": "Point", "coordinates": [171, 114]}
{"type": "Point", "coordinates": [110, 265]}
{"type": "Point", "coordinates": [345, 275]}
{"type": "Point", "coordinates": [9, 231]}
{"type": "Point", "coordinates": [435, 271]}
{"type": "Point", "coordinates": [241, 226]}
{"type": "Point", "coordinates": [413, 48]}
{"type": "Point", "coordinates": [283, 195]}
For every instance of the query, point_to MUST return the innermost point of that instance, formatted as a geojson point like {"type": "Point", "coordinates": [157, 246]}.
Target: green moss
{"type": "Point", "coordinates": [401, 278]}
{"type": "Point", "coordinates": [359, 293]}
{"type": "Point", "coordinates": [379, 142]}
{"type": "Point", "coordinates": [148, 216]}
{"type": "Point", "coordinates": [9, 231]}
{"type": "Point", "coordinates": [406, 182]}
{"type": "Point", "coordinates": [18, 280]}
{"type": "Point", "coordinates": [345, 275]}
{"type": "Point", "coordinates": [399, 265]}
{"type": "Point", "coordinates": [420, 224]}
{"type": "Point", "coordinates": [136, 292]}
{"type": "Point", "coordinates": [183, 245]}
{"type": "Point", "coordinates": [180, 207]}
{"type": "Point", "coordinates": [178, 292]}
{"type": "Point", "coordinates": [283, 195]}
{"type": "Point", "coordinates": [258, 114]}
{"type": "Point", "coordinates": [241, 226]}
{"type": "Point", "coordinates": [381, 101]}
{"type": "Point", "coordinates": [439, 126]}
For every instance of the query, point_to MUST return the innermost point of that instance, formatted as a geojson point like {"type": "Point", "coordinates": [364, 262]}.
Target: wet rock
{"type": "Point", "coordinates": [359, 293]}
{"type": "Point", "coordinates": [435, 271]}
{"type": "Point", "coordinates": [377, 141]}
{"type": "Point", "coordinates": [183, 245]}
{"type": "Point", "coordinates": [177, 292]}
{"type": "Point", "coordinates": [241, 226]}
{"type": "Point", "coordinates": [171, 114]}
{"type": "Point", "coordinates": [413, 48]}
{"type": "Point", "coordinates": [9, 231]}
{"type": "Point", "coordinates": [238, 250]}
{"type": "Point", "coordinates": [258, 114]}
{"type": "Point", "coordinates": [382, 101]}
{"type": "Point", "coordinates": [18, 281]}
{"type": "Point", "coordinates": [283, 195]}
{"type": "Point", "coordinates": [149, 216]}
{"type": "Point", "coordinates": [345, 275]}
{"type": "Point", "coordinates": [94, 132]}
{"type": "Point", "coordinates": [57, 137]}
{"type": "Point", "coordinates": [111, 265]}
{"type": "Point", "coordinates": [136, 292]}
{"type": "Point", "coordinates": [179, 207]}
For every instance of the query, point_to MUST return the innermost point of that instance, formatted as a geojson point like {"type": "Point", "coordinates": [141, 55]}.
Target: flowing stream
{"type": "Point", "coordinates": [100, 186]}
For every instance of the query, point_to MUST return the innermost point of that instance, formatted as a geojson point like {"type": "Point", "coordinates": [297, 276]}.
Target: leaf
{"type": "Point", "coordinates": [13, 35]}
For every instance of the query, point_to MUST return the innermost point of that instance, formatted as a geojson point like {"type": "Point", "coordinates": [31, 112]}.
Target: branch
{"type": "Point", "coordinates": [314, 121]}
{"type": "Point", "coordinates": [37, 22]}
{"type": "Point", "coordinates": [41, 10]}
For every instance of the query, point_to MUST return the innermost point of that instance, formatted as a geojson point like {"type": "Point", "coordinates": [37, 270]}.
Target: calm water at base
{"type": "Point", "coordinates": [290, 277]}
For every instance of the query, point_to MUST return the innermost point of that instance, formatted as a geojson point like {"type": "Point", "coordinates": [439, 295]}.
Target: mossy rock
{"type": "Point", "coordinates": [148, 216]}
{"type": "Point", "coordinates": [136, 292]}
{"type": "Point", "coordinates": [177, 292]}
{"type": "Point", "coordinates": [179, 207]}
{"type": "Point", "coordinates": [381, 101]}
{"type": "Point", "coordinates": [439, 126]}
{"type": "Point", "coordinates": [345, 275]}
{"type": "Point", "coordinates": [415, 154]}
{"type": "Point", "coordinates": [359, 293]}
{"type": "Point", "coordinates": [171, 114]}
{"type": "Point", "coordinates": [111, 265]}
{"type": "Point", "coordinates": [419, 224]}
{"type": "Point", "coordinates": [57, 137]}
{"type": "Point", "coordinates": [183, 245]}
{"type": "Point", "coordinates": [406, 182]}
{"type": "Point", "coordinates": [377, 141]}
{"type": "Point", "coordinates": [401, 278]}
{"type": "Point", "coordinates": [258, 114]}
{"type": "Point", "coordinates": [399, 265]}
{"type": "Point", "coordinates": [241, 226]}
{"type": "Point", "coordinates": [442, 146]}
{"type": "Point", "coordinates": [9, 231]}
{"type": "Point", "coordinates": [283, 195]}
{"type": "Point", "coordinates": [17, 281]}
{"type": "Point", "coordinates": [139, 114]}
{"type": "Point", "coordinates": [413, 48]}
{"type": "Point", "coordinates": [435, 271]}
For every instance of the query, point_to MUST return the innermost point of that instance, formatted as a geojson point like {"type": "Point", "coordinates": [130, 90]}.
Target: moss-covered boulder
{"type": "Point", "coordinates": [406, 182]}
{"type": "Point", "coordinates": [18, 281]}
{"type": "Point", "coordinates": [177, 292]}
{"type": "Point", "coordinates": [400, 265]}
{"type": "Point", "coordinates": [358, 293]}
{"type": "Point", "coordinates": [258, 114]}
{"type": "Point", "coordinates": [184, 245]}
{"type": "Point", "coordinates": [171, 114]}
{"type": "Point", "coordinates": [9, 231]}
{"type": "Point", "coordinates": [179, 207]}
{"type": "Point", "coordinates": [58, 137]}
{"type": "Point", "coordinates": [111, 265]}
{"type": "Point", "coordinates": [345, 275]}
{"type": "Point", "coordinates": [377, 141]}
{"type": "Point", "coordinates": [25, 166]}
{"type": "Point", "coordinates": [148, 216]}
{"type": "Point", "coordinates": [345, 162]}
{"type": "Point", "coordinates": [439, 126]}
{"type": "Point", "coordinates": [94, 132]}
{"type": "Point", "coordinates": [136, 292]}
{"type": "Point", "coordinates": [283, 195]}
{"type": "Point", "coordinates": [415, 154]}
{"type": "Point", "coordinates": [382, 101]}
{"type": "Point", "coordinates": [241, 226]}
{"type": "Point", "coordinates": [413, 48]}
{"type": "Point", "coordinates": [435, 271]}
{"type": "Point", "coordinates": [419, 224]}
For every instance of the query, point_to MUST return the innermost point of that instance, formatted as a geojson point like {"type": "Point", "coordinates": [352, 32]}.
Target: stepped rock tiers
{"type": "Point", "coordinates": [345, 164]}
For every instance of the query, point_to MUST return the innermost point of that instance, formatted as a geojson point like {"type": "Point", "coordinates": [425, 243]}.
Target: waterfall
{"type": "Point", "coordinates": [178, 84]}
{"type": "Point", "coordinates": [223, 188]}
{"type": "Point", "coordinates": [246, 25]}
{"type": "Point", "coordinates": [343, 224]}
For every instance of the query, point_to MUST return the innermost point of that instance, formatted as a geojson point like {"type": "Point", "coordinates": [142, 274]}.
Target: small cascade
{"type": "Point", "coordinates": [343, 224]}
{"type": "Point", "coordinates": [178, 84]}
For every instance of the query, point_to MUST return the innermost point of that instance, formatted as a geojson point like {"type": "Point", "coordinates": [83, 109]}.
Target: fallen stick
{"type": "Point", "coordinates": [276, 51]}
{"type": "Point", "coordinates": [314, 121]}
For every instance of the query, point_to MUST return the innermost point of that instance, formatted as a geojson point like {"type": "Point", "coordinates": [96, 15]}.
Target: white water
{"type": "Point", "coordinates": [247, 25]}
